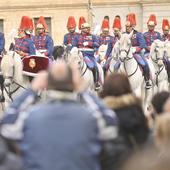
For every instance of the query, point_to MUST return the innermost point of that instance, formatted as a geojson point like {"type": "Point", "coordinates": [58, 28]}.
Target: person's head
{"type": "Point", "coordinates": [158, 101]}
{"type": "Point", "coordinates": [71, 24]}
{"type": "Point", "coordinates": [116, 85]}
{"type": "Point", "coordinates": [130, 22]}
{"type": "Point", "coordinates": [85, 28]}
{"type": "Point", "coordinates": [162, 130]}
{"type": "Point", "coordinates": [105, 27]}
{"type": "Point", "coordinates": [165, 26]}
{"type": "Point", "coordinates": [60, 77]}
{"type": "Point", "coordinates": [152, 22]}
{"type": "Point", "coordinates": [41, 26]}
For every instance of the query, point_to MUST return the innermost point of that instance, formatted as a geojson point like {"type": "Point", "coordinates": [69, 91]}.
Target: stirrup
{"type": "Point", "coordinates": [148, 84]}
{"type": "Point", "coordinates": [97, 86]}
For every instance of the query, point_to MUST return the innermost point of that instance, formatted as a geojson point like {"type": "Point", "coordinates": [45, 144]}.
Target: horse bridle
{"type": "Point", "coordinates": [127, 53]}
{"type": "Point", "coordinates": [8, 91]}
{"type": "Point", "coordinates": [127, 58]}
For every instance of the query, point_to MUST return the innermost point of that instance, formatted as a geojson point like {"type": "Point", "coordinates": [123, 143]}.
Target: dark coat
{"type": "Point", "coordinates": [133, 129]}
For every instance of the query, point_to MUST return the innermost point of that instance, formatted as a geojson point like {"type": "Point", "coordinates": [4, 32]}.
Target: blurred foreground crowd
{"type": "Point", "coordinates": [72, 129]}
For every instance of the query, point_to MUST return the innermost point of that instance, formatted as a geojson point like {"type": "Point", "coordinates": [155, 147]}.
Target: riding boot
{"type": "Point", "coordinates": [96, 78]}
{"type": "Point", "coordinates": [168, 70]}
{"type": "Point", "coordinates": [146, 73]}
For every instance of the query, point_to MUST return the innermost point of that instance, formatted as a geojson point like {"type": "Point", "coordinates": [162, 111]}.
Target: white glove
{"type": "Point", "coordinates": [86, 43]}
{"type": "Point", "coordinates": [133, 49]}
{"type": "Point", "coordinates": [103, 62]}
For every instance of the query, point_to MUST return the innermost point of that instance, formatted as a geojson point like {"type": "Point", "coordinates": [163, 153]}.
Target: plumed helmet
{"type": "Point", "coordinates": [131, 19]}
{"type": "Point", "coordinates": [105, 25]}
{"type": "Point", "coordinates": [71, 23]}
{"type": "Point", "coordinates": [82, 20]}
{"type": "Point", "coordinates": [41, 23]}
{"type": "Point", "coordinates": [165, 24]}
{"type": "Point", "coordinates": [152, 20]}
{"type": "Point", "coordinates": [117, 23]}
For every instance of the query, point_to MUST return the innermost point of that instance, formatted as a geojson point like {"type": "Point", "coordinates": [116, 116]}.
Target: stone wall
{"type": "Point", "coordinates": [11, 12]}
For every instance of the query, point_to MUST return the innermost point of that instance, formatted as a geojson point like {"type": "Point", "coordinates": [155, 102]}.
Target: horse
{"type": "Point", "coordinates": [14, 80]}
{"type": "Point", "coordinates": [130, 67]}
{"type": "Point", "coordinates": [76, 57]}
{"type": "Point", "coordinates": [157, 53]}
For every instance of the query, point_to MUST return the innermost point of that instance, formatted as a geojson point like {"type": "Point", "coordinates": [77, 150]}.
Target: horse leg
{"type": "Point", "coordinates": [2, 98]}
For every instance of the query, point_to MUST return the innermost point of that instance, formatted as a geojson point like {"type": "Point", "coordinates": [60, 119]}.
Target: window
{"type": "Point", "coordinates": [48, 21]}
{"type": "Point", "coordinates": [1, 25]}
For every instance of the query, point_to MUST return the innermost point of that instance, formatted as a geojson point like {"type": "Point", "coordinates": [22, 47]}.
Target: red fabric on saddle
{"type": "Point", "coordinates": [34, 64]}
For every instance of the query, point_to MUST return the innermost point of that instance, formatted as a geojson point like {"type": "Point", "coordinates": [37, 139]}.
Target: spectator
{"type": "Point", "coordinates": [8, 161]}
{"type": "Point", "coordinates": [148, 160]}
{"type": "Point", "coordinates": [117, 95]}
{"type": "Point", "coordinates": [59, 133]}
{"type": "Point", "coordinates": [162, 131]}
{"type": "Point", "coordinates": [158, 101]}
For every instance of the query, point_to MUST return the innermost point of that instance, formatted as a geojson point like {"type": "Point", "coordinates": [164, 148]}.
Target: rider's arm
{"type": "Point", "coordinates": [109, 49]}
{"type": "Point", "coordinates": [159, 36]}
{"type": "Point", "coordinates": [145, 38]}
{"type": "Point", "coordinates": [32, 50]}
{"type": "Point", "coordinates": [75, 41]}
{"type": "Point", "coordinates": [94, 43]}
{"type": "Point", "coordinates": [49, 46]}
{"type": "Point", "coordinates": [65, 42]}
{"type": "Point", "coordinates": [2, 42]}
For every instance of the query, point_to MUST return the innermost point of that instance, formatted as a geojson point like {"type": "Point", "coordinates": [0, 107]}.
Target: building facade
{"type": "Point", "coordinates": [57, 12]}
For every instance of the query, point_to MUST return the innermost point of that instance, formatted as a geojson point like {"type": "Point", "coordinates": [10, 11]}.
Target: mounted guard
{"type": "Point", "coordinates": [87, 43]}
{"type": "Point", "coordinates": [24, 45]}
{"type": "Point", "coordinates": [43, 43]}
{"type": "Point", "coordinates": [71, 27]}
{"type": "Point", "coordinates": [138, 45]}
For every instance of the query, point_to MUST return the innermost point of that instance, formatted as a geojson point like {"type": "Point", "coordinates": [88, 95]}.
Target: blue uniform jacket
{"type": "Point", "coordinates": [150, 37]}
{"type": "Point", "coordinates": [107, 40]}
{"type": "Point", "coordinates": [2, 42]}
{"type": "Point", "coordinates": [68, 38]}
{"type": "Point", "coordinates": [92, 43]}
{"type": "Point", "coordinates": [138, 41]}
{"type": "Point", "coordinates": [26, 45]}
{"type": "Point", "coordinates": [44, 42]}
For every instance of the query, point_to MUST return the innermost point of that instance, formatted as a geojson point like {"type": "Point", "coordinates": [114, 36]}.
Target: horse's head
{"type": "Point", "coordinates": [11, 67]}
{"type": "Point", "coordinates": [125, 46]}
{"type": "Point", "coordinates": [75, 56]}
{"type": "Point", "coordinates": [157, 52]}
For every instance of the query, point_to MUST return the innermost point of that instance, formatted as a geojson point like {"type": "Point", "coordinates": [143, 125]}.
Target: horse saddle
{"type": "Point", "coordinates": [34, 63]}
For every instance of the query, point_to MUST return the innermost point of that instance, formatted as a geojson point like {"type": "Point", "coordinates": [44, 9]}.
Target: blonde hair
{"type": "Point", "coordinates": [162, 129]}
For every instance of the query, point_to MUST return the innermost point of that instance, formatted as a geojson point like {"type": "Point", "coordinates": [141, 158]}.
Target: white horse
{"type": "Point", "coordinates": [129, 65]}
{"type": "Point", "coordinates": [157, 53]}
{"type": "Point", "coordinates": [115, 57]}
{"type": "Point", "coordinates": [14, 80]}
{"type": "Point", "coordinates": [77, 58]}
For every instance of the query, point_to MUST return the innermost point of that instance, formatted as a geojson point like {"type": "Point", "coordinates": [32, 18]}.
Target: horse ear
{"type": "Point", "coordinates": [131, 34]}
